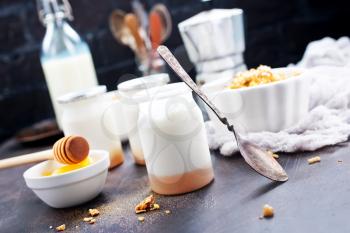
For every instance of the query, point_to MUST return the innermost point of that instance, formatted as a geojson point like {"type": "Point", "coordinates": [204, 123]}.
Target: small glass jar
{"type": "Point", "coordinates": [174, 141]}
{"type": "Point", "coordinates": [89, 113]}
{"type": "Point", "coordinates": [130, 106]}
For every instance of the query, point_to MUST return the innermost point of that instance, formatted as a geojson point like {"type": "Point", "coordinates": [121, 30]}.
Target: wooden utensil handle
{"type": "Point", "coordinates": [25, 159]}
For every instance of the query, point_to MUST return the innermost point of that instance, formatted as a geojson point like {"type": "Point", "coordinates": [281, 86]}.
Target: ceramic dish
{"type": "Point", "coordinates": [267, 107]}
{"type": "Point", "coordinates": [71, 188]}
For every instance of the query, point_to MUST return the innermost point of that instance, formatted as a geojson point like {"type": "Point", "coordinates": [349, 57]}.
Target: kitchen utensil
{"type": "Point", "coordinates": [260, 160]}
{"type": "Point", "coordinates": [155, 29]}
{"type": "Point", "coordinates": [165, 17]}
{"type": "Point", "coordinates": [143, 18]}
{"type": "Point", "coordinates": [120, 31]}
{"type": "Point", "coordinates": [214, 41]}
{"type": "Point", "coordinates": [131, 22]}
{"type": "Point", "coordinates": [270, 107]}
{"type": "Point", "coordinates": [67, 150]}
{"type": "Point", "coordinates": [71, 188]}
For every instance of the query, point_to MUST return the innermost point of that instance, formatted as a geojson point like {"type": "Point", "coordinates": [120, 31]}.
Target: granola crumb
{"type": "Point", "coordinates": [155, 207]}
{"type": "Point", "coordinates": [94, 212]}
{"type": "Point", "coordinates": [88, 219]}
{"type": "Point", "coordinates": [92, 221]}
{"type": "Point", "coordinates": [276, 156]}
{"type": "Point", "coordinates": [313, 160]}
{"type": "Point", "coordinates": [141, 219]}
{"type": "Point", "coordinates": [167, 212]}
{"type": "Point", "coordinates": [146, 205]}
{"type": "Point", "coordinates": [268, 211]}
{"type": "Point", "coordinates": [61, 227]}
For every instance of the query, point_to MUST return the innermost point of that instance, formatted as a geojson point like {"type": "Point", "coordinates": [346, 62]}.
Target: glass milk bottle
{"type": "Point", "coordinates": [65, 58]}
{"type": "Point", "coordinates": [91, 113]}
{"type": "Point", "coordinates": [174, 141]}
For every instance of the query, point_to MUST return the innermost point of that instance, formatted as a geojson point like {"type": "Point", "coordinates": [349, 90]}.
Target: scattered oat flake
{"type": "Point", "coordinates": [140, 211]}
{"type": "Point", "coordinates": [92, 221]}
{"type": "Point", "coordinates": [88, 219]}
{"type": "Point", "coordinates": [50, 227]}
{"type": "Point", "coordinates": [167, 211]}
{"type": "Point", "coordinates": [155, 207]}
{"type": "Point", "coordinates": [273, 154]}
{"type": "Point", "coordinates": [94, 212]}
{"type": "Point", "coordinates": [61, 228]}
{"type": "Point", "coordinates": [313, 160]}
{"type": "Point", "coordinates": [268, 211]}
{"type": "Point", "coordinates": [141, 219]}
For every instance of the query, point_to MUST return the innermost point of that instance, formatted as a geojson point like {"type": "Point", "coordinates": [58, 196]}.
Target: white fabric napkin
{"type": "Point", "coordinates": [327, 123]}
{"type": "Point", "coordinates": [326, 52]}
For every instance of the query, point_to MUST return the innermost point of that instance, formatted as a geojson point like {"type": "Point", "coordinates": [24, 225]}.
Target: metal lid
{"type": "Point", "coordinates": [49, 9]}
{"type": "Point", "coordinates": [161, 92]}
{"type": "Point", "coordinates": [145, 82]}
{"type": "Point", "coordinates": [81, 95]}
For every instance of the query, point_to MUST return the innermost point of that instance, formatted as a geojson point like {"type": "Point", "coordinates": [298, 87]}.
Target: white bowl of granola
{"type": "Point", "coordinates": [261, 99]}
{"type": "Point", "coordinates": [71, 188]}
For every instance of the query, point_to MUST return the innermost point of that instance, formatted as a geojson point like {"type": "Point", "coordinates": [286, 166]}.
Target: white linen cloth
{"type": "Point", "coordinates": [327, 123]}
{"type": "Point", "coordinates": [326, 52]}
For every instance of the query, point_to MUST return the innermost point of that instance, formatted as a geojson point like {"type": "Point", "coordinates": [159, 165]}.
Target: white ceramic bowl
{"type": "Point", "coordinates": [269, 107]}
{"type": "Point", "coordinates": [70, 188]}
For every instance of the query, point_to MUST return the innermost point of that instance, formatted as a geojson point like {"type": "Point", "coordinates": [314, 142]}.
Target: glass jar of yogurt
{"type": "Point", "coordinates": [174, 142]}
{"type": "Point", "coordinates": [90, 113]}
{"type": "Point", "coordinates": [130, 106]}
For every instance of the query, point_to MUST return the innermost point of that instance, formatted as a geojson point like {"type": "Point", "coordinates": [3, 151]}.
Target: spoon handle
{"type": "Point", "coordinates": [175, 65]}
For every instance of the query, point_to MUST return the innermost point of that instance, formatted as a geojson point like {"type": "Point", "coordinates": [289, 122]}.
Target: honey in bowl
{"type": "Point", "coordinates": [68, 168]}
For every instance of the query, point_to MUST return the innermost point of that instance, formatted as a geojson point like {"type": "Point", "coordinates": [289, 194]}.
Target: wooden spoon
{"type": "Point", "coordinates": [67, 150]}
{"type": "Point", "coordinates": [155, 29]}
{"type": "Point", "coordinates": [120, 31]}
{"type": "Point", "coordinates": [132, 23]}
{"type": "Point", "coordinates": [165, 17]}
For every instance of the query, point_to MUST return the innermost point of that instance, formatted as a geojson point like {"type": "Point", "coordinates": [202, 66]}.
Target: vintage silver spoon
{"type": "Point", "coordinates": [259, 159]}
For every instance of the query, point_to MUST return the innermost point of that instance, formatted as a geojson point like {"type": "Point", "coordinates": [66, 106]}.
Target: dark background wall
{"type": "Point", "coordinates": [277, 32]}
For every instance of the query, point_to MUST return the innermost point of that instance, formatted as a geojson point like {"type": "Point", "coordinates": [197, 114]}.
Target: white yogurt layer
{"type": "Point", "coordinates": [172, 132]}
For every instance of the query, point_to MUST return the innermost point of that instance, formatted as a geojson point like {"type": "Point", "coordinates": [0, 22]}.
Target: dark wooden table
{"type": "Point", "coordinates": [315, 199]}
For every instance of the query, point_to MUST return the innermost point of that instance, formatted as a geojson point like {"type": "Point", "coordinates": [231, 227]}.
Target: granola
{"type": "Point", "coordinates": [268, 211]}
{"type": "Point", "coordinates": [276, 156]}
{"type": "Point", "coordinates": [94, 212]}
{"type": "Point", "coordinates": [88, 219]}
{"type": "Point", "coordinates": [253, 77]}
{"type": "Point", "coordinates": [313, 160]}
{"type": "Point", "coordinates": [61, 227]}
{"type": "Point", "coordinates": [147, 204]}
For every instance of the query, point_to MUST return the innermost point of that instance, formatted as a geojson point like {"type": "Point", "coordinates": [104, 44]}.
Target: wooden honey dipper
{"type": "Point", "coordinates": [67, 150]}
